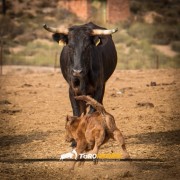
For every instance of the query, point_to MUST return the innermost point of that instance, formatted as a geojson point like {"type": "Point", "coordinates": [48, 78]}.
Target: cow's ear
{"type": "Point", "coordinates": [96, 41]}
{"type": "Point", "coordinates": [60, 38]}
{"type": "Point", "coordinates": [100, 40]}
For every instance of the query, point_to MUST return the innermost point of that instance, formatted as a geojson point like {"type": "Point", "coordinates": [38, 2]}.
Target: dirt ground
{"type": "Point", "coordinates": [33, 106]}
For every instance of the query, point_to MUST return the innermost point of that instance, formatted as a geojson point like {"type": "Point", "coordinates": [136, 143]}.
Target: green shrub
{"type": "Point", "coordinates": [141, 30]}
{"type": "Point", "coordinates": [35, 53]}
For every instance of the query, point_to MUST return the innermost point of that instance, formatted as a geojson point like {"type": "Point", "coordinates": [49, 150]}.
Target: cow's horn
{"type": "Point", "coordinates": [104, 32]}
{"type": "Point", "coordinates": [62, 30]}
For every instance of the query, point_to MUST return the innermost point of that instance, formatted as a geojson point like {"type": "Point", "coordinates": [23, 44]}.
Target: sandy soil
{"type": "Point", "coordinates": [34, 103]}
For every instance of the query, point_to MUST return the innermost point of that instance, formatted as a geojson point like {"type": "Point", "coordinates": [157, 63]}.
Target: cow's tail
{"type": "Point", "coordinates": [89, 100]}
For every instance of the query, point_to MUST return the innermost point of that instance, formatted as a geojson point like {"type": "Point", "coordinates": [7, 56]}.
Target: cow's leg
{"type": "Point", "coordinates": [76, 111]}
{"type": "Point", "coordinates": [82, 106]}
{"type": "Point", "coordinates": [74, 104]}
{"type": "Point", "coordinates": [98, 96]}
{"type": "Point", "coordinates": [117, 135]}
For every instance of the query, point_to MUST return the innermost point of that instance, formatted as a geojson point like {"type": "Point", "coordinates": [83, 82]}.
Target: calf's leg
{"type": "Point", "coordinates": [119, 137]}
{"type": "Point", "coordinates": [81, 146]}
{"type": "Point", "coordinates": [99, 139]}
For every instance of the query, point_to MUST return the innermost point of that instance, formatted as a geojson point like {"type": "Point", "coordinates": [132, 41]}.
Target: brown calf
{"type": "Point", "coordinates": [90, 131]}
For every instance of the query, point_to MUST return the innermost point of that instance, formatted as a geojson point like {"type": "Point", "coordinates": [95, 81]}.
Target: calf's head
{"type": "Point", "coordinates": [80, 40]}
{"type": "Point", "coordinates": [71, 125]}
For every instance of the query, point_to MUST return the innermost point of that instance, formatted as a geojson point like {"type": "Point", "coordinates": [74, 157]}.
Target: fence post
{"type": "Point", "coordinates": [157, 61]}
{"type": "Point", "coordinates": [4, 6]}
{"type": "Point", "coordinates": [1, 55]}
{"type": "Point", "coordinates": [55, 61]}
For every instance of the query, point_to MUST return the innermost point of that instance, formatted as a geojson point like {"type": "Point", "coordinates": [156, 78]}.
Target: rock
{"type": "Point", "coordinates": [26, 85]}
{"type": "Point", "coordinates": [152, 16]}
{"type": "Point", "coordinates": [107, 176]}
{"type": "Point", "coordinates": [48, 10]}
{"type": "Point", "coordinates": [119, 92]}
{"type": "Point", "coordinates": [153, 84]}
{"type": "Point", "coordinates": [127, 174]}
{"type": "Point", "coordinates": [113, 95]}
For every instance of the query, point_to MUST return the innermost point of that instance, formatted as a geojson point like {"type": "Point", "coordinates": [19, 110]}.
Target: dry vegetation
{"type": "Point", "coordinates": [153, 23]}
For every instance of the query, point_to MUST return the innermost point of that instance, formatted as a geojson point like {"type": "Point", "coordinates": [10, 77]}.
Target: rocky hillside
{"type": "Point", "coordinates": [152, 29]}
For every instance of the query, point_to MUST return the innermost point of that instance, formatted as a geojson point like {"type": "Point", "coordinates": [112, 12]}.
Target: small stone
{"type": "Point", "coordinates": [107, 176]}
{"type": "Point", "coordinates": [127, 174]}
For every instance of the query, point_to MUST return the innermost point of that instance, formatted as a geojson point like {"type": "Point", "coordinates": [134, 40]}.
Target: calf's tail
{"type": "Point", "coordinates": [89, 100]}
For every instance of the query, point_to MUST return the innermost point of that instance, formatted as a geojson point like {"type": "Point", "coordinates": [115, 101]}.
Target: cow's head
{"type": "Point", "coordinates": [80, 40]}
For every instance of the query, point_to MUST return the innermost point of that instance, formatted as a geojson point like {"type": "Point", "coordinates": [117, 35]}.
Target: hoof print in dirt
{"type": "Point", "coordinates": [11, 112]}
{"type": "Point", "coordinates": [26, 85]}
{"type": "Point", "coordinates": [4, 102]}
{"type": "Point", "coordinates": [145, 104]}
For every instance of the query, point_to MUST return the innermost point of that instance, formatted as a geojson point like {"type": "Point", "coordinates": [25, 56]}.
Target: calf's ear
{"type": "Point", "coordinates": [71, 119]}
{"type": "Point", "coordinates": [67, 118]}
{"type": "Point", "coordinates": [82, 114]}
{"type": "Point", "coordinates": [60, 38]}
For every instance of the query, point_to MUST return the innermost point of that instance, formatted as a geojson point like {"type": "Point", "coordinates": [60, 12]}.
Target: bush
{"type": "Point", "coordinates": [141, 30]}
{"type": "Point", "coordinates": [165, 36]}
{"type": "Point", "coordinates": [161, 38]}
{"type": "Point", "coordinates": [176, 46]}
{"type": "Point", "coordinates": [135, 7]}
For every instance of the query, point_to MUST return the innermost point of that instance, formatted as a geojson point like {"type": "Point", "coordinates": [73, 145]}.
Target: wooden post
{"type": "Point", "coordinates": [55, 61]}
{"type": "Point", "coordinates": [157, 61]}
{"type": "Point", "coordinates": [1, 38]}
{"type": "Point", "coordinates": [4, 7]}
{"type": "Point", "coordinates": [1, 55]}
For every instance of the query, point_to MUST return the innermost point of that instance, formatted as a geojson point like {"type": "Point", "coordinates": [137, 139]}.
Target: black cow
{"type": "Point", "coordinates": [87, 61]}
